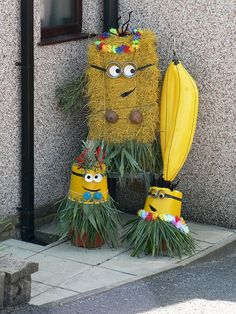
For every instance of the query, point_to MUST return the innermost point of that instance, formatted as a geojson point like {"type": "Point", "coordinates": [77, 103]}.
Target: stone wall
{"type": "Point", "coordinates": [15, 280]}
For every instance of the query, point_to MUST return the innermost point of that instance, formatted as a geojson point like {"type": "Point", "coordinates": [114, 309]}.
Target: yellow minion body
{"type": "Point", "coordinates": [162, 201]}
{"type": "Point", "coordinates": [88, 186]}
{"type": "Point", "coordinates": [123, 91]}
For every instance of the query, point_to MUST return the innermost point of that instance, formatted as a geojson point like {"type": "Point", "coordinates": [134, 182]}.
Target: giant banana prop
{"type": "Point", "coordinates": [160, 223]}
{"type": "Point", "coordinates": [179, 109]}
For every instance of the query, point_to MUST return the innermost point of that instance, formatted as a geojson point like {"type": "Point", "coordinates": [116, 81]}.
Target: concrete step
{"type": "Point", "coordinates": [47, 233]}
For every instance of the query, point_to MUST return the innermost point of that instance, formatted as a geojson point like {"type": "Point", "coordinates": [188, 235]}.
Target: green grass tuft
{"type": "Point", "coordinates": [89, 219]}
{"type": "Point", "coordinates": [72, 95]}
{"type": "Point", "coordinates": [131, 158]}
{"type": "Point", "coordinates": [157, 237]}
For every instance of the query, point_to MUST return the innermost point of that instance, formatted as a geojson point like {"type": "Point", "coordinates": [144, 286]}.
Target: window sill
{"type": "Point", "coordinates": [64, 38]}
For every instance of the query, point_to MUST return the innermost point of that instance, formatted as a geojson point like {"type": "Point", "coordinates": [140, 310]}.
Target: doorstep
{"type": "Point", "coordinates": [67, 272]}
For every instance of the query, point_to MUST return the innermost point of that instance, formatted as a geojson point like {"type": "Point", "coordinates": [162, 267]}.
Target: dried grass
{"type": "Point", "coordinates": [104, 92]}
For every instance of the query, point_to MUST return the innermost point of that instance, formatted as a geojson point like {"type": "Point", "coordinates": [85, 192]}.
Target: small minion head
{"type": "Point", "coordinates": [88, 186]}
{"type": "Point", "coordinates": [162, 201]}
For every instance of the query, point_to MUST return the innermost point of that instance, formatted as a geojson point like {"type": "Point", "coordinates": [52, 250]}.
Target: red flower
{"type": "Point", "coordinates": [177, 219]}
{"type": "Point", "coordinates": [126, 49]}
{"type": "Point", "coordinates": [81, 158]}
{"type": "Point", "coordinates": [101, 45]}
{"type": "Point", "coordinates": [149, 217]}
{"type": "Point", "coordinates": [100, 158]}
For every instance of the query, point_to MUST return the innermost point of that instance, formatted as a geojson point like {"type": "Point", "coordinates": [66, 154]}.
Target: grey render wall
{"type": "Point", "coordinates": [57, 136]}
{"type": "Point", "coordinates": [205, 42]}
{"type": "Point", "coordinates": [9, 106]}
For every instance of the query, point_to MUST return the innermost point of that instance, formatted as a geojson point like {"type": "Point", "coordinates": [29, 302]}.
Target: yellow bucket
{"type": "Point", "coordinates": [163, 201]}
{"type": "Point", "coordinates": [88, 186]}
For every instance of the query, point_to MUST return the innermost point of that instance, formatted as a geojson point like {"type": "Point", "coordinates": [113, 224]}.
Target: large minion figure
{"type": "Point", "coordinates": [123, 80]}
{"type": "Point", "coordinates": [122, 87]}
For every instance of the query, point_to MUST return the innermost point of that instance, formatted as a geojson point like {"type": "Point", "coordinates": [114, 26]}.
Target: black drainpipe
{"type": "Point", "coordinates": [110, 14]}
{"type": "Point", "coordinates": [110, 20]}
{"type": "Point", "coordinates": [27, 122]}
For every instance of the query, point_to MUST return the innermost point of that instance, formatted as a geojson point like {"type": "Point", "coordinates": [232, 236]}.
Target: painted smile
{"type": "Point", "coordinates": [152, 208]}
{"type": "Point", "coordinates": [91, 190]}
{"type": "Point", "coordinates": [125, 94]}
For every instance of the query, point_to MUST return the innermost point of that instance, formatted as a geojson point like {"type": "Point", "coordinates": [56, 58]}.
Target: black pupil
{"type": "Point", "coordinates": [117, 70]}
{"type": "Point", "coordinates": [96, 177]}
{"type": "Point", "coordinates": [132, 71]}
{"type": "Point", "coordinates": [88, 177]}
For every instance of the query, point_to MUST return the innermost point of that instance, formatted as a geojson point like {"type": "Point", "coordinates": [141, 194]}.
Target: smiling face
{"type": "Point", "coordinates": [123, 91]}
{"type": "Point", "coordinates": [163, 201]}
{"type": "Point", "coordinates": [88, 186]}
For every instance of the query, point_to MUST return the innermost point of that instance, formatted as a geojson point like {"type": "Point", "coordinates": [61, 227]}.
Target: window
{"type": "Point", "coordinates": [61, 20]}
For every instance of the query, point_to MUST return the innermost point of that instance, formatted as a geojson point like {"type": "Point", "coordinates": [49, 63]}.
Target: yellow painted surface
{"type": "Point", "coordinates": [159, 201]}
{"type": "Point", "coordinates": [80, 185]}
{"type": "Point", "coordinates": [178, 118]}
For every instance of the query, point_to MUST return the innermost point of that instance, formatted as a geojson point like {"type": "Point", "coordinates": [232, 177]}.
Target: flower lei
{"type": "Point", "coordinates": [176, 221]}
{"type": "Point", "coordinates": [137, 33]}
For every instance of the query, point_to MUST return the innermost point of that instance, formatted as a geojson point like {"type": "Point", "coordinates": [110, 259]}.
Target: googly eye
{"type": "Point", "coordinates": [114, 70]}
{"type": "Point", "coordinates": [153, 193]}
{"type": "Point", "coordinates": [129, 70]}
{"type": "Point", "coordinates": [161, 194]}
{"type": "Point", "coordinates": [98, 177]}
{"type": "Point", "coordinates": [88, 177]}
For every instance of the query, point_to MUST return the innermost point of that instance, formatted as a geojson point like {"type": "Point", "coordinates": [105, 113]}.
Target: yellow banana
{"type": "Point", "coordinates": [178, 117]}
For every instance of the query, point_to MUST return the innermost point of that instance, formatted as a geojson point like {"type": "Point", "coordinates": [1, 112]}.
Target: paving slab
{"type": "Point", "coordinates": [38, 288]}
{"type": "Point", "coordinates": [137, 265]}
{"type": "Point", "coordinates": [16, 252]}
{"type": "Point", "coordinates": [23, 245]}
{"type": "Point", "coordinates": [202, 245]}
{"type": "Point", "coordinates": [54, 270]}
{"type": "Point", "coordinates": [208, 233]}
{"type": "Point", "coordinates": [87, 256]}
{"type": "Point", "coordinates": [67, 272]}
{"type": "Point", "coordinates": [52, 295]}
{"type": "Point", "coordinates": [95, 278]}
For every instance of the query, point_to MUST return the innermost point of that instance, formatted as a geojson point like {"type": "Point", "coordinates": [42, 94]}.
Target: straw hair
{"type": "Point", "coordinates": [104, 92]}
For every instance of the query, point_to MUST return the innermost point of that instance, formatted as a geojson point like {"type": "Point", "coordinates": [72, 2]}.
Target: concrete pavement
{"type": "Point", "coordinates": [204, 287]}
{"type": "Point", "coordinates": [67, 272]}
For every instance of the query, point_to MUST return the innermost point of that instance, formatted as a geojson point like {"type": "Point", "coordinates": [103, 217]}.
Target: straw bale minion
{"type": "Point", "coordinates": [123, 87]}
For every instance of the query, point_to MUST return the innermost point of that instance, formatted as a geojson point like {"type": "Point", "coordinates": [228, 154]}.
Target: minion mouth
{"type": "Point", "coordinates": [91, 190]}
{"type": "Point", "coordinates": [152, 208]}
{"type": "Point", "coordinates": [125, 94]}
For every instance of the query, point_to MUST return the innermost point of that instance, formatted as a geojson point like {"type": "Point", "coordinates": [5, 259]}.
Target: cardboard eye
{"type": "Point", "coordinates": [114, 71]}
{"type": "Point", "coordinates": [161, 194]}
{"type": "Point", "coordinates": [89, 177]}
{"type": "Point", "coordinates": [98, 177]}
{"type": "Point", "coordinates": [129, 70]}
{"type": "Point", "coordinates": [153, 193]}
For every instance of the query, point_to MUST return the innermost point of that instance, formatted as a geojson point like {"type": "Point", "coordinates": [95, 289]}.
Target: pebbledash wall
{"type": "Point", "coordinates": [205, 41]}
